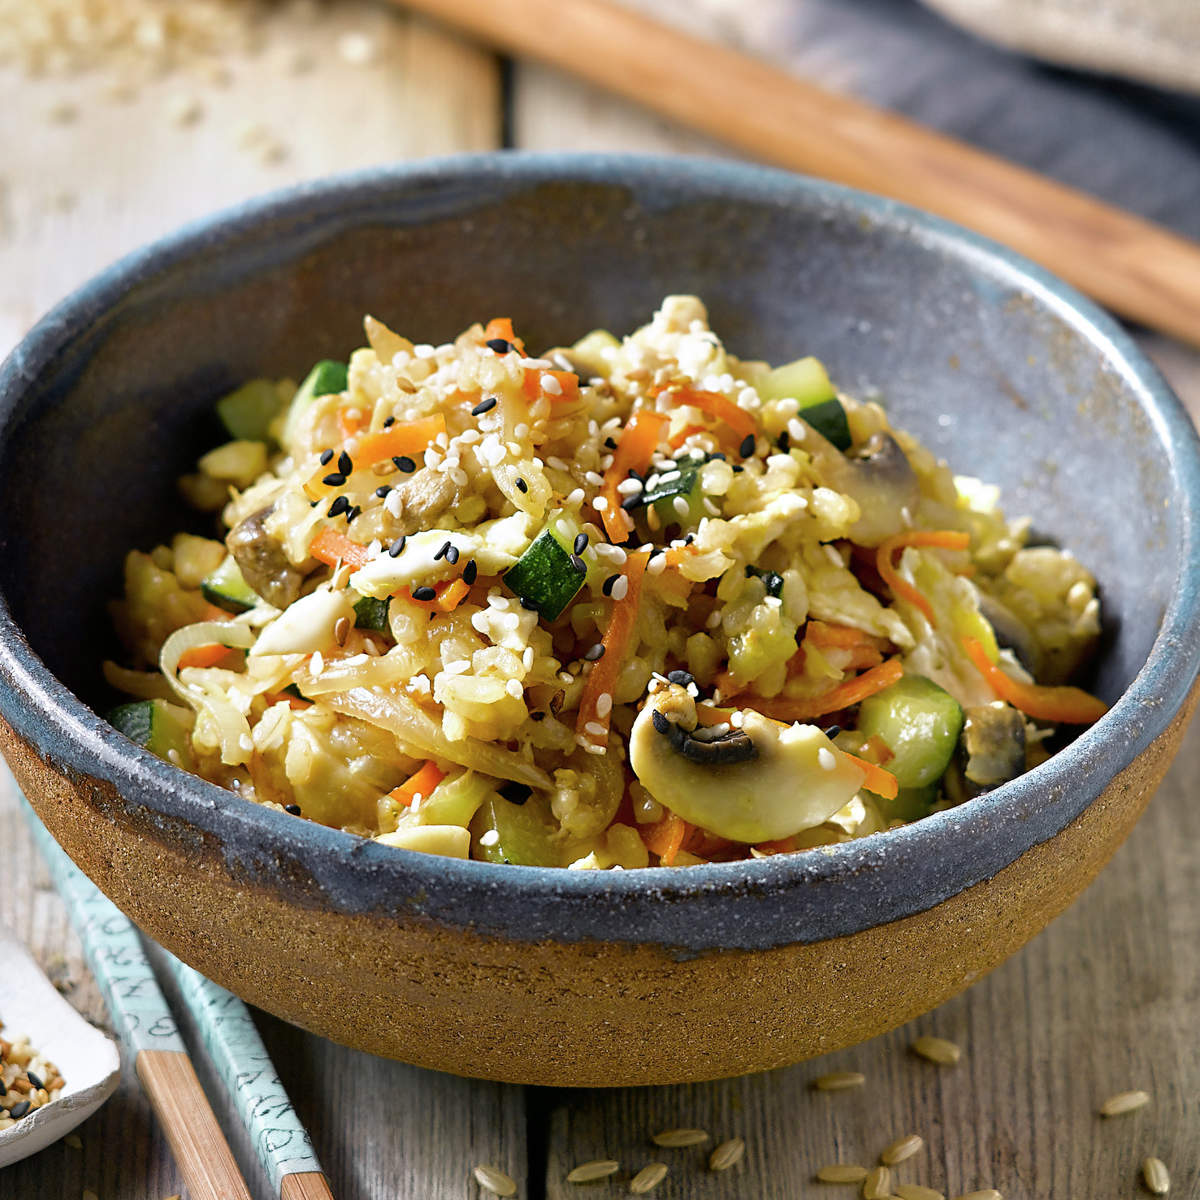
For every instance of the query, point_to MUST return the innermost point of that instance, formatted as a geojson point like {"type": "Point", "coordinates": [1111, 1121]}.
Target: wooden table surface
{"type": "Point", "coordinates": [1107, 999]}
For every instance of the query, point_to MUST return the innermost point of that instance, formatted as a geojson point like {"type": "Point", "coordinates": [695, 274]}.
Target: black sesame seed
{"type": "Point", "coordinates": [500, 345]}
{"type": "Point", "coordinates": [36, 1080]}
{"type": "Point", "coordinates": [423, 593]}
{"type": "Point", "coordinates": [294, 809]}
{"type": "Point", "coordinates": [632, 502]}
{"type": "Point", "coordinates": [19, 1110]}
{"type": "Point", "coordinates": [515, 793]}
{"type": "Point", "coordinates": [528, 605]}
{"type": "Point", "coordinates": [334, 479]}
{"type": "Point", "coordinates": [611, 443]}
{"type": "Point", "coordinates": [522, 486]}
{"type": "Point", "coordinates": [594, 653]}
{"type": "Point", "coordinates": [404, 464]}
{"type": "Point", "coordinates": [383, 491]}
{"type": "Point", "coordinates": [389, 422]}
{"type": "Point", "coordinates": [581, 543]}
{"type": "Point", "coordinates": [683, 678]}
{"type": "Point", "coordinates": [345, 463]}
{"type": "Point", "coordinates": [537, 716]}
{"type": "Point", "coordinates": [717, 455]}
{"type": "Point", "coordinates": [832, 731]}
{"type": "Point", "coordinates": [471, 571]}
{"type": "Point", "coordinates": [607, 586]}
{"type": "Point", "coordinates": [785, 441]}
{"type": "Point", "coordinates": [3, 1089]}
{"type": "Point", "coordinates": [484, 406]}
{"type": "Point", "coordinates": [339, 506]}
{"type": "Point", "coordinates": [738, 468]}
{"type": "Point", "coordinates": [397, 547]}
{"type": "Point", "coordinates": [452, 555]}
{"type": "Point", "coordinates": [691, 537]}
{"type": "Point", "coordinates": [443, 550]}
{"type": "Point", "coordinates": [312, 504]}
{"type": "Point", "coordinates": [326, 457]}
{"type": "Point", "coordinates": [579, 564]}
{"type": "Point", "coordinates": [747, 447]}
{"type": "Point", "coordinates": [354, 512]}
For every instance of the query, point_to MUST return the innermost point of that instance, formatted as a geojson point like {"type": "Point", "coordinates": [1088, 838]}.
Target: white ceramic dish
{"type": "Point", "coordinates": [88, 1059]}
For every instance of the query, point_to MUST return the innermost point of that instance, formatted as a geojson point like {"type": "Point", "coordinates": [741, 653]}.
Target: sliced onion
{"type": "Point", "coordinates": [418, 732]}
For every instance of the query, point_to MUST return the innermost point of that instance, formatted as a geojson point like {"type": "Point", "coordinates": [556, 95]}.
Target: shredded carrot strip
{"type": "Point", "coordinates": [665, 837]}
{"type": "Point", "coordinates": [779, 846]}
{"type": "Point", "coordinates": [603, 676]}
{"type": "Point", "coordinates": [844, 637]}
{"type": "Point", "coordinates": [205, 656]}
{"type": "Point", "coordinates": [637, 443]}
{"type": "Point", "coordinates": [406, 437]}
{"type": "Point", "coordinates": [330, 546]}
{"type": "Point", "coordinates": [944, 539]}
{"type": "Point", "coordinates": [350, 421]}
{"type": "Point", "coordinates": [420, 784]}
{"type": "Point", "coordinates": [682, 436]}
{"type": "Point", "coordinates": [502, 327]}
{"type": "Point", "coordinates": [851, 691]}
{"type": "Point", "coordinates": [861, 657]}
{"type": "Point", "coordinates": [1062, 705]}
{"type": "Point", "coordinates": [295, 702]}
{"type": "Point", "coordinates": [882, 783]}
{"type": "Point", "coordinates": [721, 408]}
{"type": "Point", "coordinates": [568, 381]}
{"type": "Point", "coordinates": [876, 750]}
{"type": "Point", "coordinates": [450, 594]}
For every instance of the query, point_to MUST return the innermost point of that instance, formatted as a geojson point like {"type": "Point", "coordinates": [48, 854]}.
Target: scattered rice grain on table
{"type": "Point", "coordinates": [878, 1184]}
{"type": "Point", "coordinates": [1156, 1176]}
{"type": "Point", "coordinates": [589, 1172]}
{"type": "Point", "coordinates": [985, 1194]}
{"type": "Point", "coordinates": [842, 1173]}
{"type": "Point", "coordinates": [648, 1178]}
{"type": "Point", "coordinates": [938, 1050]}
{"type": "Point", "coordinates": [839, 1081]}
{"type": "Point", "coordinates": [494, 1180]}
{"type": "Point", "coordinates": [675, 1138]}
{"type": "Point", "coordinates": [727, 1154]}
{"type": "Point", "coordinates": [1124, 1102]}
{"type": "Point", "coordinates": [917, 1191]}
{"type": "Point", "coordinates": [901, 1149]}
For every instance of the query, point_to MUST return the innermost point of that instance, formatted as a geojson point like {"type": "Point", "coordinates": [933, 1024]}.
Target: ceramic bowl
{"type": "Point", "coordinates": [562, 977]}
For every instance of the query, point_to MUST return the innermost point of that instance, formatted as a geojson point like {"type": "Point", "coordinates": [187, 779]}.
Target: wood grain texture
{"type": "Point", "coordinates": [1139, 270]}
{"type": "Point", "coordinates": [305, 1185]}
{"type": "Point", "coordinates": [197, 1143]}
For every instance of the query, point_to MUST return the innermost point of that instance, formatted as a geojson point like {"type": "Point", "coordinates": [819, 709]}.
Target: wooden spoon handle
{"type": "Point", "coordinates": [1135, 267]}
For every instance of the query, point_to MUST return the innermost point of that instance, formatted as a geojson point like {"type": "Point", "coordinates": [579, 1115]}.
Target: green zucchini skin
{"type": "Point", "coordinates": [227, 588]}
{"type": "Point", "coordinates": [248, 411]}
{"type": "Point", "coordinates": [545, 578]}
{"type": "Point", "coordinates": [920, 723]}
{"type": "Point", "coordinates": [370, 613]}
{"type": "Point", "coordinates": [326, 377]}
{"type": "Point", "coordinates": [156, 725]}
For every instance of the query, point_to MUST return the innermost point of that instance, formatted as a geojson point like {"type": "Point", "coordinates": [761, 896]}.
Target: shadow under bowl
{"type": "Point", "coordinates": [559, 977]}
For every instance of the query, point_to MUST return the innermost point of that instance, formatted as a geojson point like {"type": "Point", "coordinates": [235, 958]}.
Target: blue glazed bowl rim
{"type": "Point", "coordinates": [71, 734]}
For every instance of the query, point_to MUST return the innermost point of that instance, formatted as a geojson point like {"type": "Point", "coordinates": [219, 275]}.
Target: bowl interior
{"type": "Point", "coordinates": [1005, 384]}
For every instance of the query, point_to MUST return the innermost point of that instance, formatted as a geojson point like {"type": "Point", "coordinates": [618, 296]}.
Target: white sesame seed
{"type": "Point", "coordinates": [521, 431]}
{"type": "Point", "coordinates": [737, 719]}
{"type": "Point", "coordinates": [550, 385]}
{"type": "Point", "coordinates": [629, 487]}
{"type": "Point", "coordinates": [316, 664]}
{"type": "Point", "coordinates": [657, 565]}
{"type": "Point", "coordinates": [826, 759]}
{"type": "Point", "coordinates": [557, 464]}
{"type": "Point", "coordinates": [620, 589]}
{"type": "Point", "coordinates": [681, 506]}
{"type": "Point", "coordinates": [527, 659]}
{"type": "Point", "coordinates": [600, 503]}
{"type": "Point", "coordinates": [514, 689]}
{"type": "Point", "coordinates": [595, 729]}
{"type": "Point", "coordinates": [458, 667]}
{"type": "Point", "coordinates": [797, 430]}
{"type": "Point", "coordinates": [592, 479]}
{"type": "Point", "coordinates": [490, 838]}
{"type": "Point", "coordinates": [834, 557]}
{"type": "Point", "coordinates": [575, 498]}
{"type": "Point", "coordinates": [604, 703]}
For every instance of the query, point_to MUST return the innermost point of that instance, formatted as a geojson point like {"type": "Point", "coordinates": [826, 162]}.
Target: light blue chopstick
{"type": "Point", "coordinates": [118, 960]}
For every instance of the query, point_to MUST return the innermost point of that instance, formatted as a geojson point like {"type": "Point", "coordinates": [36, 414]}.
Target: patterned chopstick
{"type": "Point", "coordinates": [146, 1026]}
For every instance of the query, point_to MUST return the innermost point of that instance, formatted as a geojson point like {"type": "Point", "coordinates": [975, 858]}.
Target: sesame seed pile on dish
{"type": "Point", "coordinates": [629, 603]}
{"type": "Point", "coordinates": [28, 1080]}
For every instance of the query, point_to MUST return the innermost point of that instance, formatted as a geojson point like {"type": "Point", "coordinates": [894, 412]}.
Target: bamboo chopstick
{"type": "Point", "coordinates": [1137, 268]}
{"type": "Point", "coordinates": [143, 1019]}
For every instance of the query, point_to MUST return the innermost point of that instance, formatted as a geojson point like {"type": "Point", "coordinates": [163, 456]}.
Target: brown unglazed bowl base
{"type": "Point", "coordinates": [563, 1013]}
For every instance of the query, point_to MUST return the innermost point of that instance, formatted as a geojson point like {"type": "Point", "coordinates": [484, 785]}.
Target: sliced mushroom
{"type": "Point", "coordinates": [993, 746]}
{"type": "Point", "coordinates": [758, 783]}
{"type": "Point", "coordinates": [422, 498]}
{"type": "Point", "coordinates": [1011, 632]}
{"type": "Point", "coordinates": [882, 483]}
{"type": "Point", "coordinates": [262, 560]}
